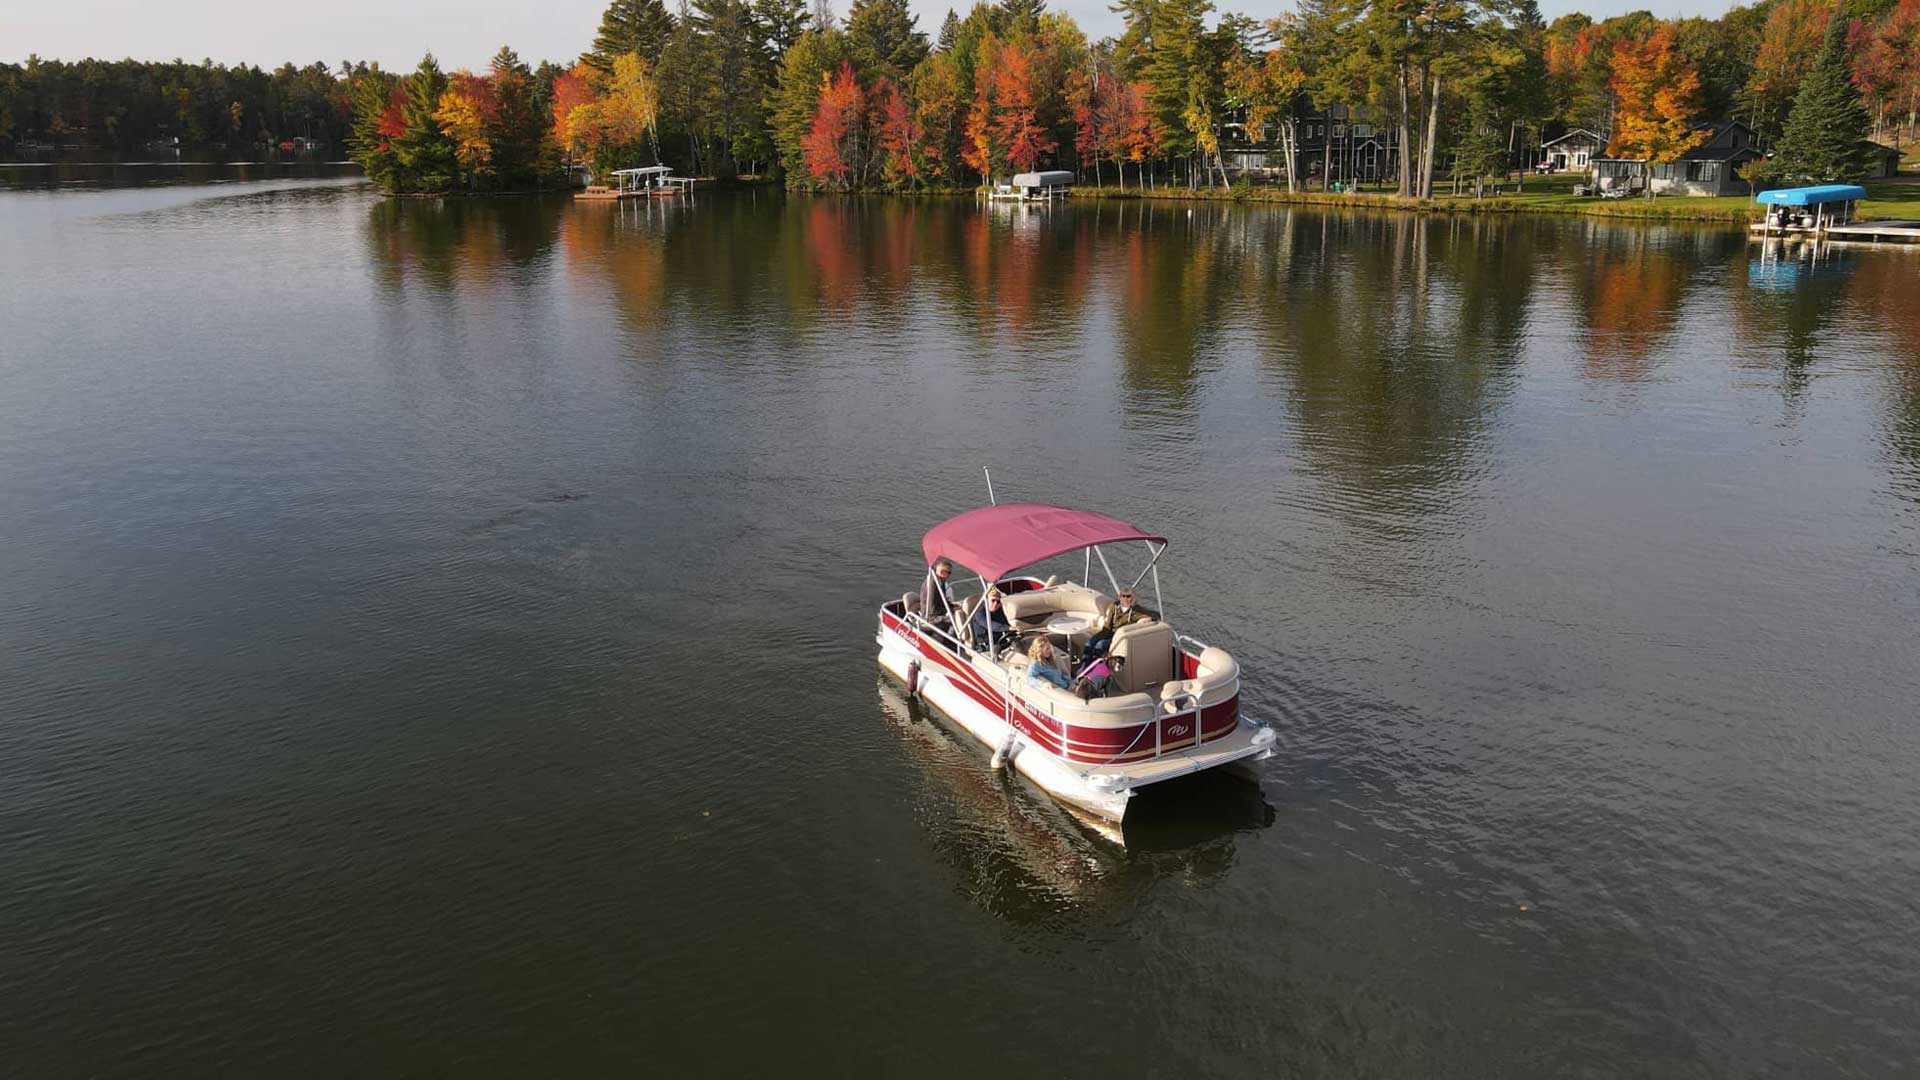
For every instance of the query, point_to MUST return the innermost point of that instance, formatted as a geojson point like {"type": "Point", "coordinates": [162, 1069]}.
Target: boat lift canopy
{"type": "Point", "coordinates": [995, 539]}
{"type": "Point", "coordinates": [1811, 196]}
{"type": "Point", "coordinates": [1056, 178]}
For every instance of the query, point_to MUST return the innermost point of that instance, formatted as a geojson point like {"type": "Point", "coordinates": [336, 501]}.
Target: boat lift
{"type": "Point", "coordinates": [1826, 211]}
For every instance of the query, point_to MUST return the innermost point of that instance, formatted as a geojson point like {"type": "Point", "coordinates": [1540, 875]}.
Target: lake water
{"type": "Point", "coordinates": [438, 639]}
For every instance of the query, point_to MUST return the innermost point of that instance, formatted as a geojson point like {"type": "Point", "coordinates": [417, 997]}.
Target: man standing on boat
{"type": "Point", "coordinates": [1122, 612]}
{"type": "Point", "coordinates": [936, 596]}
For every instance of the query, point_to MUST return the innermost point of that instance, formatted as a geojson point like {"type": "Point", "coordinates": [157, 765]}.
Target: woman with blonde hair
{"type": "Point", "coordinates": [1041, 664]}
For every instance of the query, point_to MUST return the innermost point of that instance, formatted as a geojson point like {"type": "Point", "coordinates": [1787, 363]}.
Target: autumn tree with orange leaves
{"type": "Point", "coordinates": [835, 144]}
{"type": "Point", "coordinates": [1788, 44]}
{"type": "Point", "coordinates": [1004, 133]}
{"type": "Point", "coordinates": [1656, 92]}
{"type": "Point", "coordinates": [1887, 67]}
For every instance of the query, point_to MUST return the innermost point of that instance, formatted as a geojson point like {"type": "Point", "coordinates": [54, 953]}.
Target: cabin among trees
{"type": "Point", "coordinates": [1334, 144]}
{"type": "Point", "coordinates": [1715, 167]}
{"type": "Point", "coordinates": [1573, 151]}
{"type": "Point", "coordinates": [1882, 161]}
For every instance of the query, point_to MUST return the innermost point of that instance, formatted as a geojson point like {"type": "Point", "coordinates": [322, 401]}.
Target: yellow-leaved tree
{"type": "Point", "coordinates": [460, 118]}
{"type": "Point", "coordinates": [1656, 91]}
{"type": "Point", "coordinates": [622, 111]}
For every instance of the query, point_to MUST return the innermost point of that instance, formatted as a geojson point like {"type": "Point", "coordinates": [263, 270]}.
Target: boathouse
{"type": "Point", "coordinates": [1051, 184]}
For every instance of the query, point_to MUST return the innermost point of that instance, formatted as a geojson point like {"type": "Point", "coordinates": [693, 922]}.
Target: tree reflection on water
{"type": "Point", "coordinates": [1391, 338]}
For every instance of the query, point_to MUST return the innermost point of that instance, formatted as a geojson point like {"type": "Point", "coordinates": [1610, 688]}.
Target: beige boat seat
{"type": "Point", "coordinates": [1032, 608]}
{"type": "Point", "coordinates": [1216, 668]}
{"type": "Point", "coordinates": [962, 612]}
{"type": "Point", "coordinates": [1216, 677]}
{"type": "Point", "coordinates": [1148, 648]}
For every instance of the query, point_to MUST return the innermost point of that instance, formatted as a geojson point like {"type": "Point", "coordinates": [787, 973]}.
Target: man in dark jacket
{"type": "Point", "coordinates": [1122, 612]}
{"type": "Point", "coordinates": [989, 627]}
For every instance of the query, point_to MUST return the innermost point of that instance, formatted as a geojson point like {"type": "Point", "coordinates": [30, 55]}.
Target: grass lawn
{"type": "Point", "coordinates": [1544, 195]}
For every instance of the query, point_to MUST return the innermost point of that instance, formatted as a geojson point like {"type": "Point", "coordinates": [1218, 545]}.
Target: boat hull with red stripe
{"type": "Point", "coordinates": [1095, 754]}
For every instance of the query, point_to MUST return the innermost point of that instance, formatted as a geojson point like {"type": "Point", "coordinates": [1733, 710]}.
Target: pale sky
{"type": "Point", "coordinates": [462, 33]}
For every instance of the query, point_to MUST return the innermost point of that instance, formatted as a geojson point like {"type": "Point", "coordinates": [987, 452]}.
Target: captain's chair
{"type": "Point", "coordinates": [1148, 648]}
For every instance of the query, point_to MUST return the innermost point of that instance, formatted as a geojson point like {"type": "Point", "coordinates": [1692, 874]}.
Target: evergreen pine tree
{"type": "Point", "coordinates": [518, 128]}
{"type": "Point", "coordinates": [1020, 16]}
{"type": "Point", "coordinates": [1825, 131]}
{"type": "Point", "coordinates": [370, 91]}
{"type": "Point", "coordinates": [782, 22]}
{"type": "Point", "coordinates": [885, 38]}
{"type": "Point", "coordinates": [949, 32]}
{"type": "Point", "coordinates": [1177, 47]}
{"type": "Point", "coordinates": [1482, 150]}
{"type": "Point", "coordinates": [423, 155]}
{"type": "Point", "coordinates": [737, 77]}
{"type": "Point", "coordinates": [630, 26]}
{"type": "Point", "coordinates": [686, 69]}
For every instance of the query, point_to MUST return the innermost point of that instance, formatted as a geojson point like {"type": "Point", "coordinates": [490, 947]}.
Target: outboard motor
{"type": "Point", "coordinates": [913, 678]}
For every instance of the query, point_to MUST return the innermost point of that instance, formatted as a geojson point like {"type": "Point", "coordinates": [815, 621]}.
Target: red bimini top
{"type": "Point", "coordinates": [995, 539]}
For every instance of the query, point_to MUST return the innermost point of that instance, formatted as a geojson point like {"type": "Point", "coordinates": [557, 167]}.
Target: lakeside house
{"type": "Point", "coordinates": [1574, 150]}
{"type": "Point", "coordinates": [1328, 141]}
{"type": "Point", "coordinates": [1712, 168]}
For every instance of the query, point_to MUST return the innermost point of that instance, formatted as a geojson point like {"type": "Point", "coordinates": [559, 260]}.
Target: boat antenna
{"type": "Point", "coordinates": [990, 498]}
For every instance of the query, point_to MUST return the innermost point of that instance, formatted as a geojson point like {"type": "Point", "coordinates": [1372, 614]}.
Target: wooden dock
{"type": "Point", "coordinates": [1899, 232]}
{"type": "Point", "coordinates": [654, 181]}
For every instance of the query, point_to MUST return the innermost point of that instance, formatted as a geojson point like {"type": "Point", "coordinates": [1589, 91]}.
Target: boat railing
{"type": "Point", "coordinates": [921, 624]}
{"type": "Point", "coordinates": [1187, 704]}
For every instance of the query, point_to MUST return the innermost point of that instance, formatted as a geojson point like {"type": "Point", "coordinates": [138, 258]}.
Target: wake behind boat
{"type": "Point", "coordinates": [1143, 704]}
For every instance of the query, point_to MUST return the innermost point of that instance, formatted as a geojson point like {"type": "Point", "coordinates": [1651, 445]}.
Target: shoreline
{"type": "Point", "coordinates": [1886, 198]}
{"type": "Point", "coordinates": [1658, 209]}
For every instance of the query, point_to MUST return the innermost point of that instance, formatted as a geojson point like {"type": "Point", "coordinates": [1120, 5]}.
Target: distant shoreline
{"type": "Point", "coordinates": [1895, 199]}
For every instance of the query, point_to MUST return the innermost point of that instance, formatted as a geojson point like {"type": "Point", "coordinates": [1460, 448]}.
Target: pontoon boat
{"type": "Point", "coordinates": [1171, 710]}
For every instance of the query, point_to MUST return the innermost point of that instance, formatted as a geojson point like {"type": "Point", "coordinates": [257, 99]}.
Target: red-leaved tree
{"type": "Point", "coordinates": [896, 136]}
{"type": "Point", "coordinates": [833, 144]}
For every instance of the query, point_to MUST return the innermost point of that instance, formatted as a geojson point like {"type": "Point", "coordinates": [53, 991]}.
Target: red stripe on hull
{"type": "Point", "coordinates": [1094, 745]}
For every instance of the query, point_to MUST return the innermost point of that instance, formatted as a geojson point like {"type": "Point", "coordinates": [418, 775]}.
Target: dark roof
{"type": "Point", "coordinates": [1720, 153]}
{"type": "Point", "coordinates": [1882, 148]}
{"type": "Point", "coordinates": [1576, 131]}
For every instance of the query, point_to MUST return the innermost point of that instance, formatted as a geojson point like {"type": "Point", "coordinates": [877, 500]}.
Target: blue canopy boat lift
{"type": "Point", "coordinates": [1826, 211]}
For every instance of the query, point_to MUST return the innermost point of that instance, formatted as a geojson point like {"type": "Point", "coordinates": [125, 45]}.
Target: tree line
{"type": "Point", "coordinates": [871, 101]}
{"type": "Point", "coordinates": [123, 106]}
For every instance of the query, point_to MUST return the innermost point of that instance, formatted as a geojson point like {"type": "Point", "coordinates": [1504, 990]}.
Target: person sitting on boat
{"type": "Point", "coordinates": [989, 627]}
{"type": "Point", "coordinates": [1122, 612]}
{"type": "Point", "coordinates": [936, 596]}
{"type": "Point", "coordinates": [1096, 676]}
{"type": "Point", "coordinates": [1042, 665]}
